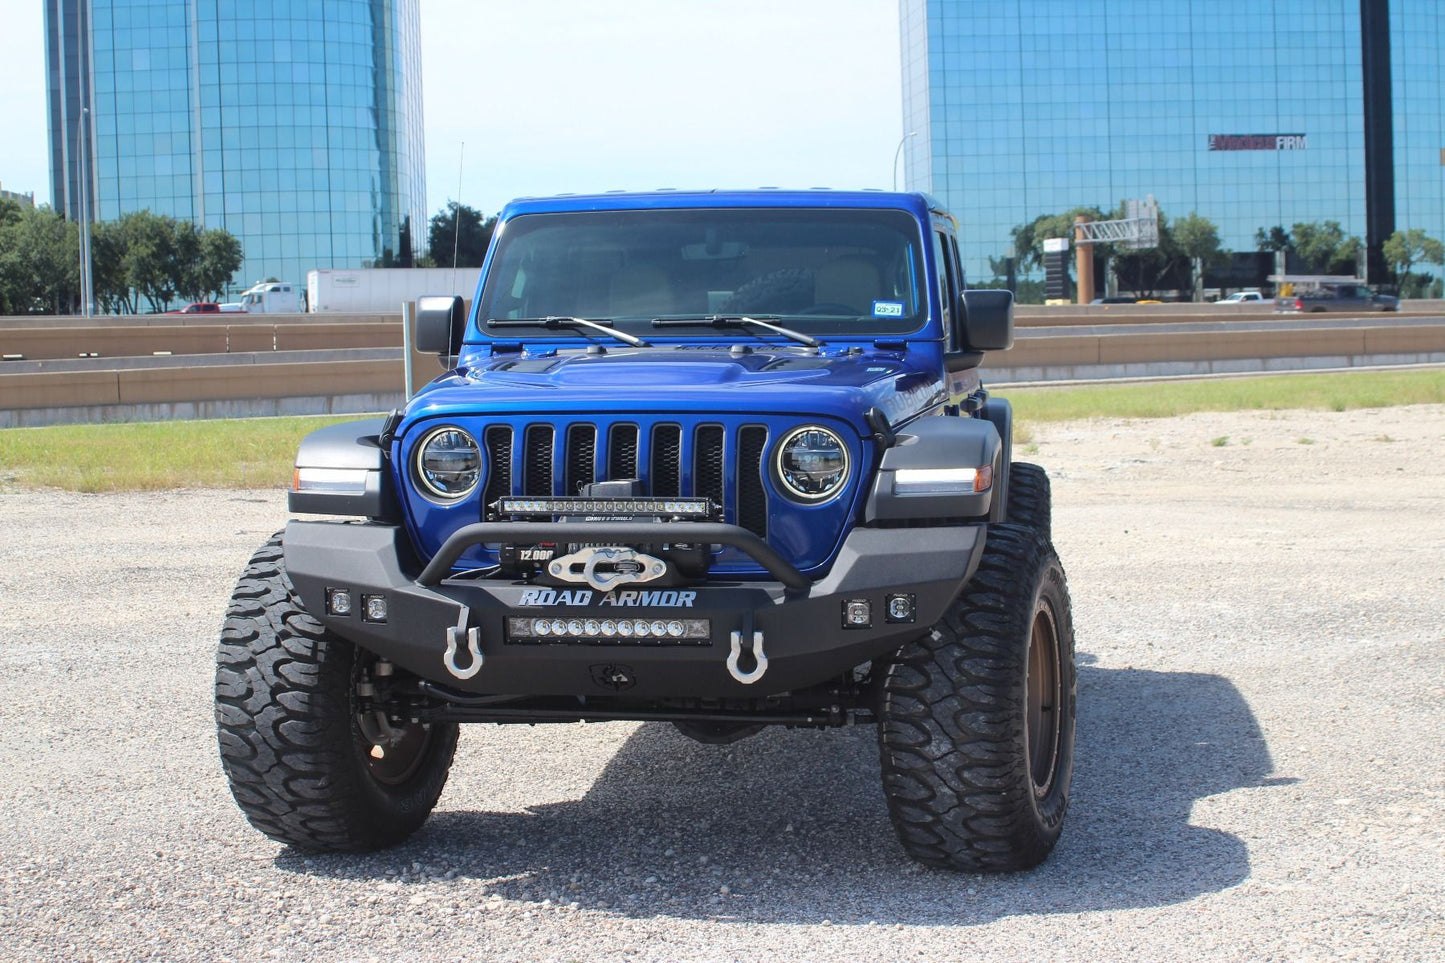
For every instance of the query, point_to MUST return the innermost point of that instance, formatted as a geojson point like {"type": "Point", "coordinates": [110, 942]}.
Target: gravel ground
{"type": "Point", "coordinates": [1260, 777]}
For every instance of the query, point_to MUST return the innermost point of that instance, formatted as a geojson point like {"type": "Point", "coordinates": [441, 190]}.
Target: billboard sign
{"type": "Point", "coordinates": [1258, 142]}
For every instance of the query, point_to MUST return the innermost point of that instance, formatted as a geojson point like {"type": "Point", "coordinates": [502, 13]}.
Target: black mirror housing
{"type": "Point", "coordinates": [988, 320]}
{"type": "Point", "coordinates": [440, 325]}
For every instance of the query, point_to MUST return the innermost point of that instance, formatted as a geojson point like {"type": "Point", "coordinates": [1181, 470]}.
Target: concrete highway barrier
{"type": "Point", "coordinates": [224, 370]}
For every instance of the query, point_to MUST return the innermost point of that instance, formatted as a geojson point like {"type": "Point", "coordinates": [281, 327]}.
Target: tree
{"type": "Point", "coordinates": [1029, 238]}
{"type": "Point", "coordinates": [1403, 250]}
{"type": "Point", "coordinates": [12, 298]}
{"type": "Point", "coordinates": [1197, 237]}
{"type": "Point", "coordinates": [149, 252]}
{"type": "Point", "coordinates": [39, 261]}
{"type": "Point", "coordinates": [220, 259]}
{"type": "Point", "coordinates": [113, 294]}
{"type": "Point", "coordinates": [1198, 240]}
{"type": "Point", "coordinates": [1169, 265]}
{"type": "Point", "coordinates": [185, 258]}
{"type": "Point", "coordinates": [470, 245]}
{"type": "Point", "coordinates": [163, 258]}
{"type": "Point", "coordinates": [142, 254]}
{"type": "Point", "coordinates": [1275, 239]}
{"type": "Point", "coordinates": [1325, 248]}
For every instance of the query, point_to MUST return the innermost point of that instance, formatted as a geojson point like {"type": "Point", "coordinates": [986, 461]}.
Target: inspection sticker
{"type": "Point", "coordinates": [887, 309]}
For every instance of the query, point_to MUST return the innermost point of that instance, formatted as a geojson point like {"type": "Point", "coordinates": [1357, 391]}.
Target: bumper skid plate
{"type": "Point", "coordinates": [709, 640]}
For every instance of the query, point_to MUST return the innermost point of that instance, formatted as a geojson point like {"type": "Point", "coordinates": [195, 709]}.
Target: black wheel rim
{"type": "Point", "coordinates": [394, 763]}
{"type": "Point", "coordinates": [1043, 719]}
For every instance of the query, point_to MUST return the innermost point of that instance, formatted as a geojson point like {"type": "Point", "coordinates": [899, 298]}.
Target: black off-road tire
{"type": "Point", "coordinates": [967, 788]}
{"type": "Point", "coordinates": [290, 740]}
{"type": "Point", "coordinates": [1030, 501]}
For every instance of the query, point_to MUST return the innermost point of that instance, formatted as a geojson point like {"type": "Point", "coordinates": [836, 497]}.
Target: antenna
{"type": "Point", "coordinates": [457, 216]}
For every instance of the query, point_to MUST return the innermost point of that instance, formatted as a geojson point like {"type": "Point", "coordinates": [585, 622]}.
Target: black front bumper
{"type": "Point", "coordinates": [800, 622]}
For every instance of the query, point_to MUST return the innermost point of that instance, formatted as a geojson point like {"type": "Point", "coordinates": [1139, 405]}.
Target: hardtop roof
{"type": "Point", "coordinates": [916, 203]}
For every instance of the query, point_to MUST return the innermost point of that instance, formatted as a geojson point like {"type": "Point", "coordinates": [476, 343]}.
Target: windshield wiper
{"type": "Point", "coordinates": [554, 321]}
{"type": "Point", "coordinates": [738, 321]}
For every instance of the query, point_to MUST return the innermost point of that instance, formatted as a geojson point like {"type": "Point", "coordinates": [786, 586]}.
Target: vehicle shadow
{"type": "Point", "coordinates": [793, 823]}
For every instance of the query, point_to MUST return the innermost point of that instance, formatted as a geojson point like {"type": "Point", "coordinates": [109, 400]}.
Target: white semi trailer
{"type": "Point", "coordinates": [382, 290]}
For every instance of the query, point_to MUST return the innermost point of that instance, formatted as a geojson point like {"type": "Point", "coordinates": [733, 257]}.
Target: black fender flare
{"type": "Point", "coordinates": [353, 447]}
{"type": "Point", "coordinates": [932, 443]}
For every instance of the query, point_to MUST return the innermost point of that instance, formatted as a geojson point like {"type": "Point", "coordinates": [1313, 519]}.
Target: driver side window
{"type": "Point", "coordinates": [947, 287]}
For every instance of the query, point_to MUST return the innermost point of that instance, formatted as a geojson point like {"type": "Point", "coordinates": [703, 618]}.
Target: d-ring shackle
{"type": "Point", "coordinates": [756, 647]}
{"type": "Point", "coordinates": [455, 635]}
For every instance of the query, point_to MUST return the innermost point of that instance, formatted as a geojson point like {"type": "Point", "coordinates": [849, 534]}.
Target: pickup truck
{"type": "Point", "coordinates": [1336, 297]}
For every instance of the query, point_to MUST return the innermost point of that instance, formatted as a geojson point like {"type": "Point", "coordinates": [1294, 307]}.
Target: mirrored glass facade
{"type": "Point", "coordinates": [294, 124]}
{"type": "Point", "coordinates": [1249, 112]}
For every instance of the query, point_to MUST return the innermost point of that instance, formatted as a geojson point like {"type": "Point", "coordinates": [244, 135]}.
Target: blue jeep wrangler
{"type": "Point", "coordinates": [718, 459]}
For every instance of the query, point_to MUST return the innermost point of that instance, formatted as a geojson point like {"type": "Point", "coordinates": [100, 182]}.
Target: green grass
{"type": "Point", "coordinates": [243, 453]}
{"type": "Point", "coordinates": [259, 452]}
{"type": "Point", "coordinates": [1329, 392]}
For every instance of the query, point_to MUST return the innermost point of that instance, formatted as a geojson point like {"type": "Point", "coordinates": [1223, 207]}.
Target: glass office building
{"type": "Point", "coordinates": [1252, 113]}
{"type": "Point", "coordinates": [294, 124]}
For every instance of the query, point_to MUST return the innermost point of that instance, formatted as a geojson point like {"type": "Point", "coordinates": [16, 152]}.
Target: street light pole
{"type": "Point", "coordinates": [899, 153]}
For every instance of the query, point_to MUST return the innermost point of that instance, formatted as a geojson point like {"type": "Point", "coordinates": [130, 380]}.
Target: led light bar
{"type": "Point", "coordinates": [576, 505]}
{"type": "Point", "coordinates": [336, 481]}
{"type": "Point", "coordinates": [577, 629]}
{"type": "Point", "coordinates": [942, 481]}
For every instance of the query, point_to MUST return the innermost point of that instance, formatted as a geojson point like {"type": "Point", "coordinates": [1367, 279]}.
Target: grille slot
{"type": "Point", "coordinates": [707, 463]}
{"type": "Point", "coordinates": [666, 460]}
{"type": "Point", "coordinates": [580, 467]}
{"type": "Point", "coordinates": [537, 466]}
{"type": "Point", "coordinates": [752, 497]}
{"type": "Point", "coordinates": [622, 453]}
{"type": "Point", "coordinates": [499, 463]}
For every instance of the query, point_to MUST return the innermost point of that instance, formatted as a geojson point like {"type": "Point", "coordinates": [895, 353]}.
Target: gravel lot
{"type": "Point", "coordinates": [1260, 775]}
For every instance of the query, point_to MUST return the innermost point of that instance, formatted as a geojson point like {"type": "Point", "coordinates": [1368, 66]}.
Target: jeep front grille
{"type": "Point", "coordinates": [675, 462]}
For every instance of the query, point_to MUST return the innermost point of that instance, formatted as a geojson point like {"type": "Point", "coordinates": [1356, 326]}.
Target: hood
{"type": "Point", "coordinates": [842, 381]}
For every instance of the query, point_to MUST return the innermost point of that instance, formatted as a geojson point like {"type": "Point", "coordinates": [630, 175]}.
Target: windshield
{"type": "Point", "coordinates": [820, 271]}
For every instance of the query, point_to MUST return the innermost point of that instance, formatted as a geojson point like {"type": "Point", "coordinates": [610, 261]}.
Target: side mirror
{"type": "Point", "coordinates": [987, 320]}
{"type": "Point", "coordinates": [441, 324]}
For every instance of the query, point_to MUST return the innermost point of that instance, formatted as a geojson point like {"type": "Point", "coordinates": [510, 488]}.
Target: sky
{"type": "Point", "coordinates": [557, 96]}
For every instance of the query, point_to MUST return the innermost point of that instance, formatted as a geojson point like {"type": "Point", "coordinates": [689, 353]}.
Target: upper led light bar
{"type": "Point", "coordinates": [695, 508]}
{"type": "Point", "coordinates": [942, 481]}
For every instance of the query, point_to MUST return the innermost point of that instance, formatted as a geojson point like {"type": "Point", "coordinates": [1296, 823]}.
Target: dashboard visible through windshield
{"type": "Point", "coordinates": [844, 272]}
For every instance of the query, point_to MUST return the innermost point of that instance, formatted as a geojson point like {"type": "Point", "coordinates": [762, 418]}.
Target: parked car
{"type": "Point", "coordinates": [1243, 297]}
{"type": "Point", "coordinates": [199, 307]}
{"type": "Point", "coordinates": [1337, 297]}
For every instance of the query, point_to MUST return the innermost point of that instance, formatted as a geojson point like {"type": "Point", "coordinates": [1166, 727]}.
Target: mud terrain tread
{"type": "Point", "coordinates": [284, 725]}
{"type": "Point", "coordinates": [951, 732]}
{"type": "Point", "coordinates": [1030, 500]}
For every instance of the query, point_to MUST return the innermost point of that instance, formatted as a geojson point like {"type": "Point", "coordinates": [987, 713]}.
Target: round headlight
{"type": "Point", "coordinates": [448, 464]}
{"type": "Point", "coordinates": [811, 463]}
